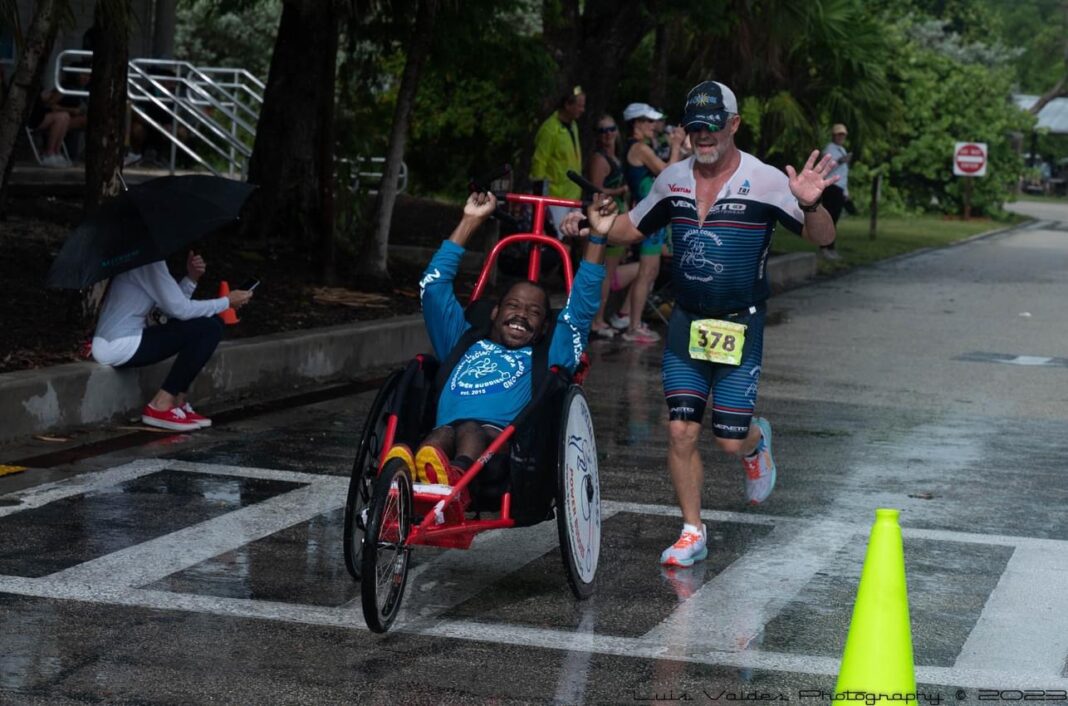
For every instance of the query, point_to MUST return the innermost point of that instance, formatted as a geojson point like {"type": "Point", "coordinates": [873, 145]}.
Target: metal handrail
{"type": "Point", "coordinates": [222, 115]}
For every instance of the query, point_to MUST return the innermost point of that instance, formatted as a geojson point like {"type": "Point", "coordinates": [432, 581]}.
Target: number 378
{"type": "Point", "coordinates": [713, 342]}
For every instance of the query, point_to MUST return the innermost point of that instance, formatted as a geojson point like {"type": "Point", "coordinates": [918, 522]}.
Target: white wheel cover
{"type": "Point", "coordinates": [582, 492]}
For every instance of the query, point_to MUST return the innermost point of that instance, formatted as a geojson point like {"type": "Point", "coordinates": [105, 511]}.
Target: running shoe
{"type": "Point", "coordinates": [690, 547]}
{"type": "Point", "coordinates": [604, 331]}
{"type": "Point", "coordinates": [404, 453]}
{"type": "Point", "coordinates": [434, 467]}
{"type": "Point", "coordinates": [173, 419]}
{"type": "Point", "coordinates": [643, 334]}
{"type": "Point", "coordinates": [202, 421]}
{"type": "Point", "coordinates": [620, 322]}
{"type": "Point", "coordinates": [760, 466]}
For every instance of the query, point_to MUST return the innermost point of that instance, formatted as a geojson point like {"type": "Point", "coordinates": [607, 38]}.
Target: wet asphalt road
{"type": "Point", "coordinates": [208, 568]}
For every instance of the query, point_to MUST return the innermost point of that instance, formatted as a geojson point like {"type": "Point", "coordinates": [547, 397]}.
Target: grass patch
{"type": "Point", "coordinates": [1042, 198]}
{"type": "Point", "coordinates": [896, 235]}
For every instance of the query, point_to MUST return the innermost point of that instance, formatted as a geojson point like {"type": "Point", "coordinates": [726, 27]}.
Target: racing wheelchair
{"type": "Point", "coordinates": [542, 466]}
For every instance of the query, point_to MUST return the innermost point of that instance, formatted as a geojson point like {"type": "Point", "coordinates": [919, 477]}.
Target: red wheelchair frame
{"type": "Point", "coordinates": [444, 523]}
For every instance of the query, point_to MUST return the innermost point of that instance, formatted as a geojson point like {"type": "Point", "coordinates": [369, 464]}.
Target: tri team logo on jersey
{"type": "Point", "coordinates": [744, 188]}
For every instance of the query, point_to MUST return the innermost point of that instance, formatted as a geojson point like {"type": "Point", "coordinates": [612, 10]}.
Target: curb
{"type": "Point", "coordinates": [60, 397]}
{"type": "Point", "coordinates": [76, 394]}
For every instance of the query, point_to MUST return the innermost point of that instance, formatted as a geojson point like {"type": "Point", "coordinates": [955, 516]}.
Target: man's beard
{"type": "Point", "coordinates": [708, 158]}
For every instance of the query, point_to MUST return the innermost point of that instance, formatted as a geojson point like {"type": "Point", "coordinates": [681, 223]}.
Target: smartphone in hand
{"type": "Point", "coordinates": [249, 284]}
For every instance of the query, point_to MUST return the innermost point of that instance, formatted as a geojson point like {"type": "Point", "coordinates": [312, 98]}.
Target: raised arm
{"type": "Point", "coordinates": [807, 187]}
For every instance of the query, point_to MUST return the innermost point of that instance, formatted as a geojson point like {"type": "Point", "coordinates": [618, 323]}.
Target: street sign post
{"type": "Point", "coordinates": [969, 160]}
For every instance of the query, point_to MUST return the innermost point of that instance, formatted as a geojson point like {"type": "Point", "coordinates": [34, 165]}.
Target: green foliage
{"type": "Point", "coordinates": [945, 100]}
{"type": "Point", "coordinates": [237, 33]}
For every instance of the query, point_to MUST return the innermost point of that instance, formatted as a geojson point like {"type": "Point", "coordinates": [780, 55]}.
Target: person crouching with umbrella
{"type": "Point", "coordinates": [192, 331]}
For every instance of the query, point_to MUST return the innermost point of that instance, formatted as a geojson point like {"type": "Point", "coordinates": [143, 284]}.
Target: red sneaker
{"type": "Point", "coordinates": [202, 421]}
{"type": "Point", "coordinates": [433, 466]}
{"type": "Point", "coordinates": [174, 419]}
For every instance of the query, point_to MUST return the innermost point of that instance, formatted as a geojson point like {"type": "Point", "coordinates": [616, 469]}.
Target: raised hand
{"type": "Point", "coordinates": [807, 185]}
{"type": "Point", "coordinates": [602, 213]}
{"type": "Point", "coordinates": [480, 204]}
{"type": "Point", "coordinates": [195, 266]}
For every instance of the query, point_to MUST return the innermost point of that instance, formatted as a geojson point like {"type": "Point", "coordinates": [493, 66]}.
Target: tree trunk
{"type": "Point", "coordinates": [26, 82]}
{"type": "Point", "coordinates": [292, 158]}
{"type": "Point", "coordinates": [658, 75]}
{"type": "Point", "coordinates": [106, 131]}
{"type": "Point", "coordinates": [612, 31]}
{"type": "Point", "coordinates": [375, 264]}
{"type": "Point", "coordinates": [1062, 85]}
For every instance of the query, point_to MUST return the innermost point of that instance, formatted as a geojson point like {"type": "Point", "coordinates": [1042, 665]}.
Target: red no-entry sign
{"type": "Point", "coordinates": [969, 159]}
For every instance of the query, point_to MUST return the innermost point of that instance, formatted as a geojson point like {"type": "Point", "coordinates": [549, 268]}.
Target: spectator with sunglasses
{"type": "Point", "coordinates": [640, 168]}
{"type": "Point", "coordinates": [606, 172]}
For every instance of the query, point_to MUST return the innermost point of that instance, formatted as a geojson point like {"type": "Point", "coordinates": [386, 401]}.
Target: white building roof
{"type": "Point", "coordinates": [1054, 116]}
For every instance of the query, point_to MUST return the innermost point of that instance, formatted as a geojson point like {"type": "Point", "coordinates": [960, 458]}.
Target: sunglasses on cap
{"type": "Point", "coordinates": [607, 129]}
{"type": "Point", "coordinates": [694, 128]}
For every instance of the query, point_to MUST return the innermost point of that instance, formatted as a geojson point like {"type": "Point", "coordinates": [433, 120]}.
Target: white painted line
{"type": "Point", "coordinates": [454, 576]}
{"type": "Point", "coordinates": [40, 495]}
{"type": "Point", "coordinates": [150, 561]}
{"type": "Point", "coordinates": [1024, 624]}
{"type": "Point", "coordinates": [731, 610]}
{"type": "Point", "coordinates": [1028, 360]}
{"type": "Point", "coordinates": [216, 469]}
{"type": "Point", "coordinates": [512, 635]}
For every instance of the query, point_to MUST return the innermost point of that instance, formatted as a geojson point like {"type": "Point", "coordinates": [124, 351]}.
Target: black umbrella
{"type": "Point", "coordinates": [146, 224]}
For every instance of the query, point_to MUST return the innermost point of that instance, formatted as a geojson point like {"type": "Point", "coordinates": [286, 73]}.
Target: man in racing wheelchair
{"type": "Point", "coordinates": [492, 380]}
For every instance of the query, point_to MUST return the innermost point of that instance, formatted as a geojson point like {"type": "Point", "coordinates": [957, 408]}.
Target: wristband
{"type": "Point", "coordinates": [811, 208]}
{"type": "Point", "coordinates": [597, 240]}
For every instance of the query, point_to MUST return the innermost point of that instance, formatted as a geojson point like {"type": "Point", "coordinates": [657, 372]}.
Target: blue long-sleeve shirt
{"type": "Point", "coordinates": [492, 383]}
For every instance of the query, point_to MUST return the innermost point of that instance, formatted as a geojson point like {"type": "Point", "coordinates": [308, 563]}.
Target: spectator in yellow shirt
{"type": "Point", "coordinates": [556, 150]}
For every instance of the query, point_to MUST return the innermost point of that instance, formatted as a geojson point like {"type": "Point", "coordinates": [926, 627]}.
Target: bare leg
{"type": "Point", "coordinates": [472, 439]}
{"type": "Point", "coordinates": [163, 401]}
{"type": "Point", "coordinates": [57, 123]}
{"type": "Point", "coordinates": [687, 473]}
{"type": "Point", "coordinates": [741, 447]}
{"type": "Point", "coordinates": [443, 438]}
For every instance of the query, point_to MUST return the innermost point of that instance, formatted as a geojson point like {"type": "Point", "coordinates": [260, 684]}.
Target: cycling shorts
{"type": "Point", "coordinates": [688, 382]}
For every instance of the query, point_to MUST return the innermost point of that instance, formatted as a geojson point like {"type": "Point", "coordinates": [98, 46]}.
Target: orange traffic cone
{"type": "Point", "coordinates": [229, 316]}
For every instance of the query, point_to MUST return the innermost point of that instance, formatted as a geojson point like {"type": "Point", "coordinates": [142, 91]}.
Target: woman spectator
{"type": "Point", "coordinates": [607, 173]}
{"type": "Point", "coordinates": [192, 332]}
{"type": "Point", "coordinates": [55, 124]}
{"type": "Point", "coordinates": [640, 169]}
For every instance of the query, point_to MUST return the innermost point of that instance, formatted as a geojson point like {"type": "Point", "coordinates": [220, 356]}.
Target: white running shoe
{"type": "Point", "coordinates": [760, 469]}
{"type": "Point", "coordinates": [690, 547]}
{"type": "Point", "coordinates": [621, 322]}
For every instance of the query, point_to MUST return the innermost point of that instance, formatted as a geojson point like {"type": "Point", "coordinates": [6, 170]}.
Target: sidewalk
{"type": "Point", "coordinates": [49, 400]}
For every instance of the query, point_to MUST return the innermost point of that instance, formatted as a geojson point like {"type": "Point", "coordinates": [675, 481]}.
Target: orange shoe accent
{"type": "Point", "coordinates": [403, 452]}
{"type": "Point", "coordinates": [228, 316]}
{"type": "Point", "coordinates": [432, 465]}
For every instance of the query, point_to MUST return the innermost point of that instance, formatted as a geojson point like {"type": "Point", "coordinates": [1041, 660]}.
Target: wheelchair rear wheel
{"type": "Point", "coordinates": [578, 495]}
{"type": "Point", "coordinates": [364, 470]}
{"type": "Point", "coordinates": [384, 562]}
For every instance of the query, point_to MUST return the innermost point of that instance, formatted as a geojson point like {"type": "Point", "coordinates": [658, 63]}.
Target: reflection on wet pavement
{"type": "Point", "coordinates": [74, 530]}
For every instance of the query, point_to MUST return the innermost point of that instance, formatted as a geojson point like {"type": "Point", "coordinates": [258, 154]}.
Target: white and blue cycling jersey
{"type": "Point", "coordinates": [719, 261]}
{"type": "Point", "coordinates": [492, 383]}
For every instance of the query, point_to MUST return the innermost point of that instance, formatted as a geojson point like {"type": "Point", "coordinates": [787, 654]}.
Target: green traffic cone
{"type": "Point", "coordinates": [878, 653]}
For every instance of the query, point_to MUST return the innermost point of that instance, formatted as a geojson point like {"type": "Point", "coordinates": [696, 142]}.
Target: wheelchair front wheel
{"type": "Point", "coordinates": [384, 560]}
{"type": "Point", "coordinates": [364, 470]}
{"type": "Point", "coordinates": [578, 495]}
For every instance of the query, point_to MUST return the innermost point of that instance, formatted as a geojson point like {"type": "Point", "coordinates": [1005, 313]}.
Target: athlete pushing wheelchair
{"type": "Point", "coordinates": [497, 416]}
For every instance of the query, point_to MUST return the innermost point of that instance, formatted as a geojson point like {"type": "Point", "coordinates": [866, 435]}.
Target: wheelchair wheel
{"type": "Point", "coordinates": [364, 470]}
{"type": "Point", "coordinates": [384, 564]}
{"type": "Point", "coordinates": [578, 495]}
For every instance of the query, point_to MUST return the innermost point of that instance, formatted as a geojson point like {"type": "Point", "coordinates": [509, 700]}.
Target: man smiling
{"type": "Point", "coordinates": [721, 206]}
{"type": "Point", "coordinates": [492, 380]}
